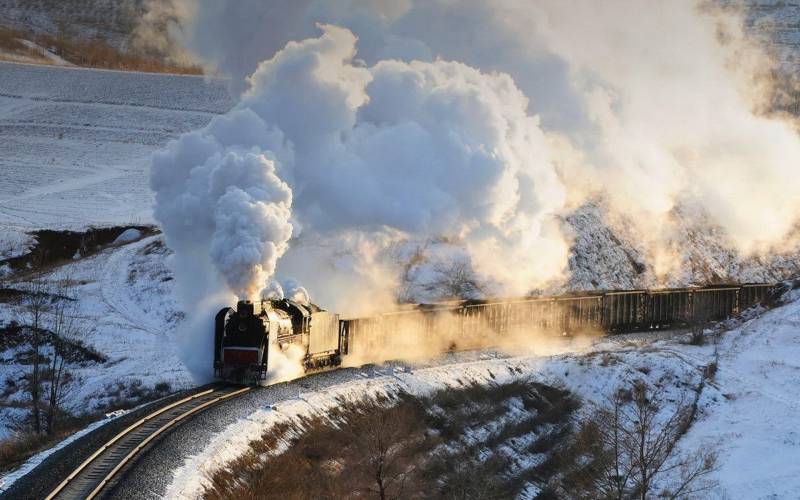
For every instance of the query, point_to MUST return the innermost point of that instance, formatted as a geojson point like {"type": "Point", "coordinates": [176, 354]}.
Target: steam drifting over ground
{"type": "Point", "coordinates": [472, 124]}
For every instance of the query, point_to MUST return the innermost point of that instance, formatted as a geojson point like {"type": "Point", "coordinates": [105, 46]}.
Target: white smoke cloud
{"type": "Point", "coordinates": [272, 291]}
{"type": "Point", "coordinates": [480, 122]}
{"type": "Point", "coordinates": [386, 152]}
{"type": "Point", "coordinates": [659, 98]}
{"type": "Point", "coordinates": [420, 148]}
{"type": "Point", "coordinates": [226, 215]}
{"type": "Point", "coordinates": [676, 115]}
{"type": "Point", "coordinates": [231, 203]}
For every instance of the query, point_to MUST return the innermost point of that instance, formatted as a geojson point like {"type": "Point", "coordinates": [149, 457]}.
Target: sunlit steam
{"type": "Point", "coordinates": [364, 126]}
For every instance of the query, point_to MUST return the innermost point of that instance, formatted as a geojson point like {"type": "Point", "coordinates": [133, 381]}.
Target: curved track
{"type": "Point", "coordinates": [100, 470]}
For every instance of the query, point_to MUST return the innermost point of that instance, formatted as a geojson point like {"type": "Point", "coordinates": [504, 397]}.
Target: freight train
{"type": "Point", "coordinates": [244, 336]}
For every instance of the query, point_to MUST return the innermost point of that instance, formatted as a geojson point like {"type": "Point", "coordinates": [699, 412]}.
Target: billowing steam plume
{"type": "Point", "coordinates": [472, 123]}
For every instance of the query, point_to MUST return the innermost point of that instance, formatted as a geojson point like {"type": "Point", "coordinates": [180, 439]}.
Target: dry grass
{"type": "Point", "coordinates": [400, 448]}
{"type": "Point", "coordinates": [16, 450]}
{"type": "Point", "coordinates": [10, 44]}
{"type": "Point", "coordinates": [341, 458]}
{"type": "Point", "coordinates": [100, 54]}
{"type": "Point", "coordinates": [9, 40]}
{"type": "Point", "coordinates": [96, 53]}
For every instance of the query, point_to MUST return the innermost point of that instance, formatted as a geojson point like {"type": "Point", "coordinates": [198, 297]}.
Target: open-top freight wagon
{"type": "Point", "coordinates": [244, 336]}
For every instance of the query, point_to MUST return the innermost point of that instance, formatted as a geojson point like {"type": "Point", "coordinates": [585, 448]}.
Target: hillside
{"type": "Point", "coordinates": [744, 411]}
{"type": "Point", "coordinates": [115, 21]}
{"type": "Point", "coordinates": [607, 253]}
{"type": "Point", "coordinates": [112, 20]}
{"type": "Point", "coordinates": [780, 20]}
{"type": "Point", "coordinates": [75, 143]}
{"type": "Point", "coordinates": [95, 33]}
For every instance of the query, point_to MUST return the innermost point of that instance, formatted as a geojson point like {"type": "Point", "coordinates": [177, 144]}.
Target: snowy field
{"type": "Point", "coordinates": [129, 315]}
{"type": "Point", "coordinates": [748, 412]}
{"type": "Point", "coordinates": [75, 143]}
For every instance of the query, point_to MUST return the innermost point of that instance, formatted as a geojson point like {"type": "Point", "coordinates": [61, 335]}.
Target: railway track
{"type": "Point", "coordinates": [92, 478]}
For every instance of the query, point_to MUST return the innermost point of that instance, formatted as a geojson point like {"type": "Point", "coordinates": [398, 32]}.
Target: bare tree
{"type": "Point", "coordinates": [53, 329]}
{"type": "Point", "coordinates": [383, 446]}
{"type": "Point", "coordinates": [698, 321]}
{"type": "Point", "coordinates": [66, 328]}
{"type": "Point", "coordinates": [629, 446]}
{"type": "Point", "coordinates": [455, 280]}
{"type": "Point", "coordinates": [406, 287]}
{"type": "Point", "coordinates": [35, 303]}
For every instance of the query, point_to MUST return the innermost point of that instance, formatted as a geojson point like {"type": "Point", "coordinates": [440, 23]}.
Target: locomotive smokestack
{"type": "Point", "coordinates": [245, 308]}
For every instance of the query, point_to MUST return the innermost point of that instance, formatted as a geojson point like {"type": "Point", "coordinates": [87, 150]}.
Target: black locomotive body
{"type": "Point", "coordinates": [243, 337]}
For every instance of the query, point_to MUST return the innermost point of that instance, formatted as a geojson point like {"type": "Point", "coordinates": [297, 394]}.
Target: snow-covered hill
{"type": "Point", "coordinates": [607, 253]}
{"type": "Point", "coordinates": [114, 20]}
{"type": "Point", "coordinates": [747, 410]}
{"type": "Point", "coordinates": [780, 21]}
{"type": "Point", "coordinates": [74, 151]}
{"type": "Point", "coordinates": [75, 143]}
{"type": "Point", "coordinates": [127, 319]}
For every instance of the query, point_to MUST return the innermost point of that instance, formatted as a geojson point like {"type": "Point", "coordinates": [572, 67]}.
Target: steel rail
{"type": "Point", "coordinates": [86, 466]}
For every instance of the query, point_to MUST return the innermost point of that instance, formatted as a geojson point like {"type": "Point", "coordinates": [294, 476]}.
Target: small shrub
{"type": "Point", "coordinates": [15, 450]}
{"type": "Point", "coordinates": [614, 453]}
{"type": "Point", "coordinates": [710, 371]}
{"type": "Point", "coordinates": [608, 359]}
{"type": "Point", "coordinates": [162, 387]}
{"type": "Point", "coordinates": [698, 337]}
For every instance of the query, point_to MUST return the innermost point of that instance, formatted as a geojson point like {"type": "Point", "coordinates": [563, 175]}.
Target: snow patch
{"type": "Point", "coordinates": [128, 236]}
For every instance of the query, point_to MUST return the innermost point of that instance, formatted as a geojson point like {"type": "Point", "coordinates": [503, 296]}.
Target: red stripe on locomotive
{"type": "Point", "coordinates": [239, 356]}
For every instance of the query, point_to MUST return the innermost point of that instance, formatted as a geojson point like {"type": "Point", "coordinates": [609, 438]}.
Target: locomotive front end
{"type": "Point", "coordinates": [244, 336]}
{"type": "Point", "coordinates": [241, 344]}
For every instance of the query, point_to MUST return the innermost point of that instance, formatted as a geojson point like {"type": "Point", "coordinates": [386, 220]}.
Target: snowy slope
{"type": "Point", "coordinates": [589, 375]}
{"type": "Point", "coordinates": [607, 254]}
{"type": "Point", "coordinates": [129, 315]}
{"type": "Point", "coordinates": [779, 20]}
{"type": "Point", "coordinates": [74, 151]}
{"type": "Point", "coordinates": [757, 424]}
{"type": "Point", "coordinates": [749, 412]}
{"type": "Point", "coordinates": [75, 143]}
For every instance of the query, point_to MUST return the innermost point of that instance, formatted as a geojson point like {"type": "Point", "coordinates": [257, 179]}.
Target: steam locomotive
{"type": "Point", "coordinates": [244, 336]}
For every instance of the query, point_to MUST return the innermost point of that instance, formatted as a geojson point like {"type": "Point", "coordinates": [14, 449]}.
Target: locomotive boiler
{"type": "Point", "coordinates": [244, 336]}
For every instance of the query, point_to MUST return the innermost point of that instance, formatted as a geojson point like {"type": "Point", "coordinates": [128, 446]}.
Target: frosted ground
{"type": "Point", "coordinates": [747, 412]}
{"type": "Point", "coordinates": [75, 146]}
{"type": "Point", "coordinates": [129, 314]}
{"type": "Point", "coordinates": [75, 143]}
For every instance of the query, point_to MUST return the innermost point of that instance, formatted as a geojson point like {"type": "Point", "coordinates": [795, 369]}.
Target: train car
{"type": "Point", "coordinates": [244, 336]}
